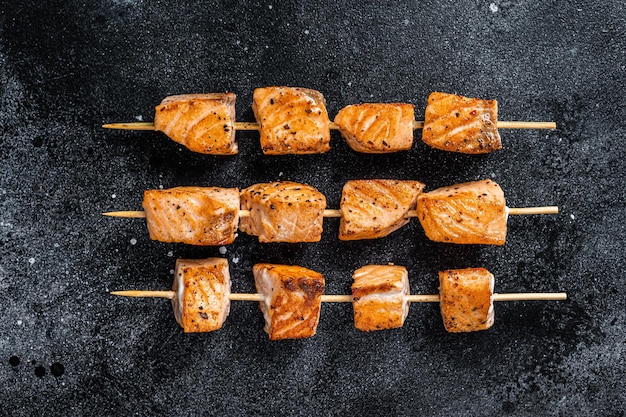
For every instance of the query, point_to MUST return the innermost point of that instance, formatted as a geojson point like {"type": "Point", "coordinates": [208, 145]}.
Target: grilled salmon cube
{"type": "Point", "coordinates": [374, 208]}
{"type": "Point", "coordinates": [283, 212]}
{"type": "Point", "coordinates": [461, 124]}
{"type": "Point", "coordinates": [201, 288]}
{"type": "Point", "coordinates": [203, 123]}
{"type": "Point", "coordinates": [380, 294]}
{"type": "Point", "coordinates": [292, 120]}
{"type": "Point", "coordinates": [291, 299]}
{"type": "Point", "coordinates": [204, 216]}
{"type": "Point", "coordinates": [468, 213]}
{"type": "Point", "coordinates": [377, 127]}
{"type": "Point", "coordinates": [466, 299]}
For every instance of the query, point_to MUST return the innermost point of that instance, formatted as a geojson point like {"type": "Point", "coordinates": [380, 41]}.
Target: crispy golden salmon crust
{"type": "Point", "coordinates": [377, 127]}
{"type": "Point", "coordinates": [461, 124]}
{"type": "Point", "coordinates": [292, 120]}
{"type": "Point", "coordinates": [466, 299]}
{"type": "Point", "coordinates": [380, 294]}
{"type": "Point", "coordinates": [202, 288]}
{"type": "Point", "coordinates": [372, 209]}
{"type": "Point", "coordinates": [204, 216]}
{"type": "Point", "coordinates": [203, 123]}
{"type": "Point", "coordinates": [468, 213]}
{"type": "Point", "coordinates": [283, 212]}
{"type": "Point", "coordinates": [292, 297]}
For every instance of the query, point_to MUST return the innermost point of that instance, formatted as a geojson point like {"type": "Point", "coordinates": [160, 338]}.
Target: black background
{"type": "Point", "coordinates": [67, 347]}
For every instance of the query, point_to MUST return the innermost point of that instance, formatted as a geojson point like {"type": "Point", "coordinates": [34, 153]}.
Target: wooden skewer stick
{"type": "Point", "coordinates": [255, 126]}
{"type": "Point", "coordinates": [337, 213]}
{"type": "Point", "coordinates": [416, 298]}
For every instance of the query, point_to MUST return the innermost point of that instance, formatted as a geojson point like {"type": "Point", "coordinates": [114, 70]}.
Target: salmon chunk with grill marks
{"type": "Point", "coordinates": [204, 216]}
{"type": "Point", "coordinates": [283, 212]}
{"type": "Point", "coordinates": [461, 124]}
{"type": "Point", "coordinates": [203, 123]}
{"type": "Point", "coordinates": [201, 288]}
{"type": "Point", "coordinates": [377, 127]}
{"type": "Point", "coordinates": [291, 300]}
{"type": "Point", "coordinates": [292, 120]}
{"type": "Point", "coordinates": [380, 294]}
{"type": "Point", "coordinates": [466, 299]}
{"type": "Point", "coordinates": [468, 213]}
{"type": "Point", "coordinates": [374, 208]}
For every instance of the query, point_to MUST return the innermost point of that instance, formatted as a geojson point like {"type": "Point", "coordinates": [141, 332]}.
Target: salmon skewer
{"type": "Point", "coordinates": [380, 295]}
{"type": "Point", "coordinates": [203, 123]}
{"type": "Point", "coordinates": [461, 124]}
{"type": "Point", "coordinates": [283, 212]}
{"type": "Point", "coordinates": [202, 289]}
{"type": "Point", "coordinates": [294, 120]}
{"type": "Point", "coordinates": [468, 213]}
{"type": "Point", "coordinates": [377, 127]}
{"type": "Point", "coordinates": [203, 216]}
{"type": "Point", "coordinates": [373, 209]}
{"type": "Point", "coordinates": [290, 297]}
{"type": "Point", "coordinates": [291, 120]}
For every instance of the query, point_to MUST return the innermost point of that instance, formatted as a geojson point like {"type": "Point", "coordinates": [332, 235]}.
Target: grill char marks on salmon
{"type": "Point", "coordinates": [292, 120]}
{"type": "Point", "coordinates": [377, 127]}
{"type": "Point", "coordinates": [380, 294]}
{"type": "Point", "coordinates": [283, 212]}
{"type": "Point", "coordinates": [204, 216]}
{"type": "Point", "coordinates": [202, 287]}
{"type": "Point", "coordinates": [466, 299]}
{"type": "Point", "coordinates": [203, 123]}
{"type": "Point", "coordinates": [467, 213]}
{"type": "Point", "coordinates": [372, 209]}
{"type": "Point", "coordinates": [461, 124]}
{"type": "Point", "coordinates": [291, 300]}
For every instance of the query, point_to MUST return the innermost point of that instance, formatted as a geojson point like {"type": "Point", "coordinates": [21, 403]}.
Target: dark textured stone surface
{"type": "Point", "coordinates": [69, 348]}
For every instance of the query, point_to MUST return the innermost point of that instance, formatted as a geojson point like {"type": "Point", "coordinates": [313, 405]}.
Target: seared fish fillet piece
{"type": "Point", "coordinates": [461, 124]}
{"type": "Point", "coordinates": [380, 295]}
{"type": "Point", "coordinates": [466, 299]}
{"type": "Point", "coordinates": [283, 212]}
{"type": "Point", "coordinates": [292, 297]}
{"type": "Point", "coordinates": [202, 288]}
{"type": "Point", "coordinates": [468, 213]}
{"type": "Point", "coordinates": [374, 208]}
{"type": "Point", "coordinates": [292, 120]}
{"type": "Point", "coordinates": [205, 216]}
{"type": "Point", "coordinates": [377, 127]}
{"type": "Point", "coordinates": [203, 123]}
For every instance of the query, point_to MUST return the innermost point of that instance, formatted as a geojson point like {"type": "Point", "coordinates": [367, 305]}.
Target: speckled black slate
{"type": "Point", "coordinates": [69, 348]}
